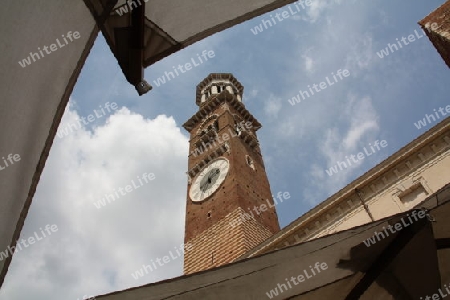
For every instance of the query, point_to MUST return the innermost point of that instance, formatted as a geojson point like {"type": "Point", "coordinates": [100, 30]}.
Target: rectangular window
{"type": "Point", "coordinates": [414, 195]}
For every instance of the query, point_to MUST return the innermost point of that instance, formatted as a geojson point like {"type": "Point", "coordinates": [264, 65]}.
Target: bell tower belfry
{"type": "Point", "coordinates": [229, 207]}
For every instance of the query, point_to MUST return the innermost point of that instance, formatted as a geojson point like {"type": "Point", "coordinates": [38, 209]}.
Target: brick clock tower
{"type": "Point", "coordinates": [226, 178]}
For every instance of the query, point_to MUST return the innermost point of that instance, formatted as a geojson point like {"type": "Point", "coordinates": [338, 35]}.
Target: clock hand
{"type": "Point", "coordinates": [216, 175]}
{"type": "Point", "coordinates": [202, 187]}
{"type": "Point", "coordinates": [213, 174]}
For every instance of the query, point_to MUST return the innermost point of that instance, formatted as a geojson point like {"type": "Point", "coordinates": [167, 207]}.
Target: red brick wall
{"type": "Point", "coordinates": [439, 36]}
{"type": "Point", "coordinates": [222, 242]}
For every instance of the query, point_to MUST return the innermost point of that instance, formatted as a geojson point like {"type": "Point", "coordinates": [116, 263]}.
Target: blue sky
{"type": "Point", "coordinates": [96, 250]}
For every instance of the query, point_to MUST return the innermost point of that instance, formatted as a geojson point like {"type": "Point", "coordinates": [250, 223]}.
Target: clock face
{"type": "Point", "coordinates": [209, 180]}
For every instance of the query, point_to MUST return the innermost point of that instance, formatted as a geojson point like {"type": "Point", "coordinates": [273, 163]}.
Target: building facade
{"type": "Point", "coordinates": [226, 178]}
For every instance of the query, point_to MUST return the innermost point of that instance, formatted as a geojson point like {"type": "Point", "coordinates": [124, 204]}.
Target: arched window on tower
{"type": "Point", "coordinates": [207, 93]}
{"type": "Point", "coordinates": [250, 162]}
{"type": "Point", "coordinates": [220, 87]}
{"type": "Point", "coordinates": [216, 125]}
{"type": "Point", "coordinates": [237, 124]}
{"type": "Point", "coordinates": [238, 129]}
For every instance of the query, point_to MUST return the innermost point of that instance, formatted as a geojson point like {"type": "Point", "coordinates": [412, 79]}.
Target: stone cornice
{"type": "Point", "coordinates": [214, 102]}
{"type": "Point", "coordinates": [221, 149]}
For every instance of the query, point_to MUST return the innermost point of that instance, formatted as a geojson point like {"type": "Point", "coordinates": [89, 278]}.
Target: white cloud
{"type": "Point", "coordinates": [359, 121]}
{"type": "Point", "coordinates": [361, 52]}
{"type": "Point", "coordinates": [309, 63]}
{"type": "Point", "coordinates": [96, 250]}
{"type": "Point", "coordinates": [251, 95]}
{"type": "Point", "coordinates": [317, 8]}
{"type": "Point", "coordinates": [363, 118]}
{"type": "Point", "coordinates": [272, 106]}
{"type": "Point", "coordinates": [356, 128]}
